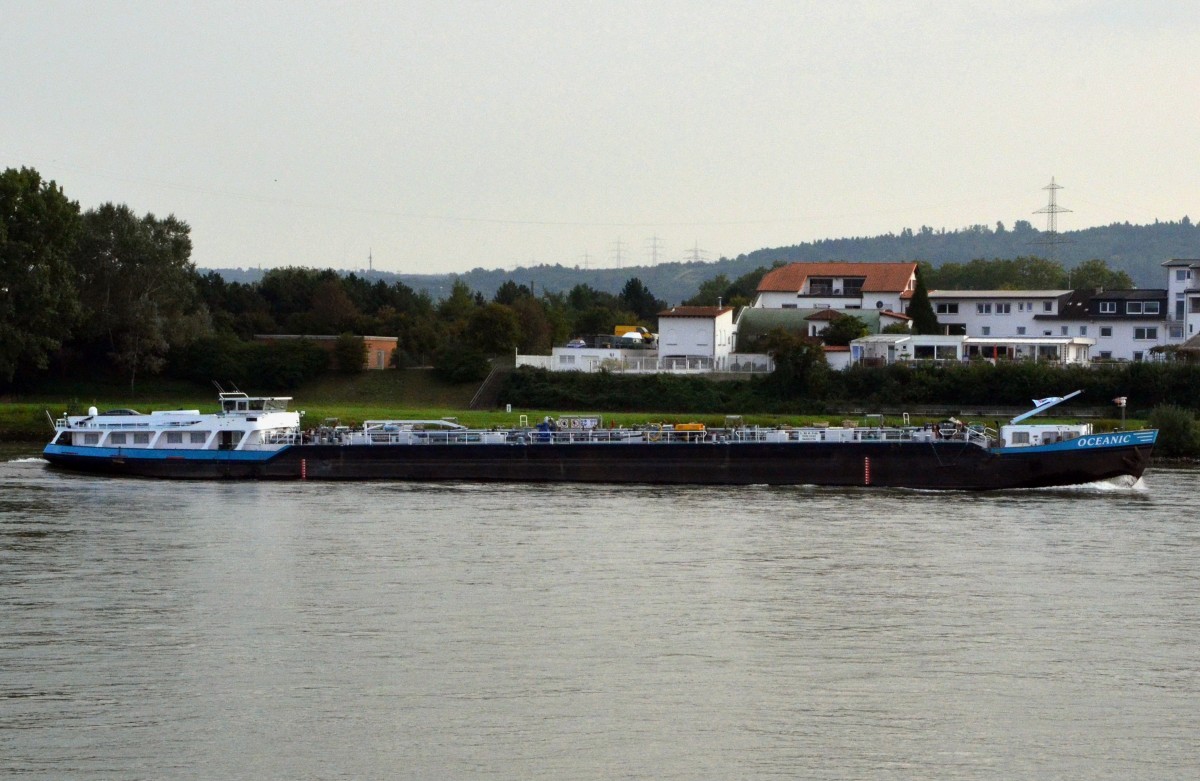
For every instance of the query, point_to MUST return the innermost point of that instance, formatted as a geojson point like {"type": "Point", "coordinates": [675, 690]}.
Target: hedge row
{"type": "Point", "coordinates": [1146, 385]}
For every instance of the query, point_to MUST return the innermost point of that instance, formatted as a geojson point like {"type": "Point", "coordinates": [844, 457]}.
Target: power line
{"type": "Point", "coordinates": [654, 244]}
{"type": "Point", "coordinates": [697, 255]}
{"type": "Point", "coordinates": [1053, 240]}
{"type": "Point", "coordinates": [618, 252]}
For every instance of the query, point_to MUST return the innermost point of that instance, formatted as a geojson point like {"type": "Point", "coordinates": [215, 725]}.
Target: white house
{"type": "Point", "coordinates": [696, 332]}
{"type": "Point", "coordinates": [878, 286]}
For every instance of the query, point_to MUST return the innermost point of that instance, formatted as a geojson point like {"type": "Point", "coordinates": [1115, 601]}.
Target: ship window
{"type": "Point", "coordinates": [116, 438]}
{"type": "Point", "coordinates": [197, 437]}
{"type": "Point", "coordinates": [141, 437]}
{"type": "Point", "coordinates": [1020, 438]}
{"type": "Point", "coordinates": [174, 437]}
{"type": "Point", "coordinates": [91, 439]}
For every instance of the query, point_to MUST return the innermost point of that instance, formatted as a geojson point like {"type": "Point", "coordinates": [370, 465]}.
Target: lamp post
{"type": "Point", "coordinates": [1120, 402]}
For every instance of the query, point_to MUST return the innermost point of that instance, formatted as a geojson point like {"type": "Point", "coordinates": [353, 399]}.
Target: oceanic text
{"type": "Point", "coordinates": [1106, 439]}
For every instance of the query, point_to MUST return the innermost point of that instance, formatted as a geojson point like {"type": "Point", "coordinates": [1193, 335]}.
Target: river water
{"type": "Point", "coordinates": [317, 631]}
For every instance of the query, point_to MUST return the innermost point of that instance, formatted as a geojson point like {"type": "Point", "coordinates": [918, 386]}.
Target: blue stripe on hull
{"type": "Point", "coordinates": [160, 454]}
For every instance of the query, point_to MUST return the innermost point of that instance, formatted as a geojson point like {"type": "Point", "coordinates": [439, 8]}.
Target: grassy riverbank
{"type": "Point", "coordinates": [413, 393]}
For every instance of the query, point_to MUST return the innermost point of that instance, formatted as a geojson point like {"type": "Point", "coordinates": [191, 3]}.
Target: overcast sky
{"type": "Point", "coordinates": [441, 136]}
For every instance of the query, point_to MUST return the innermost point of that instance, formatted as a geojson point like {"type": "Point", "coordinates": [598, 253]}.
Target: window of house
{"type": "Point", "coordinates": [983, 309]}
{"type": "Point", "coordinates": [1083, 330]}
{"type": "Point", "coordinates": [1176, 332]}
{"type": "Point", "coordinates": [789, 306]}
{"type": "Point", "coordinates": [1020, 330]}
{"type": "Point", "coordinates": [566, 359]}
{"type": "Point", "coordinates": [1150, 307]}
{"type": "Point", "coordinates": [1105, 331]}
{"type": "Point", "coordinates": [1180, 274]}
{"type": "Point", "coordinates": [1004, 309]}
{"type": "Point", "coordinates": [986, 330]}
{"type": "Point", "coordinates": [947, 309]}
{"type": "Point", "coordinates": [1194, 306]}
{"type": "Point", "coordinates": [1064, 330]}
{"type": "Point", "coordinates": [1145, 333]}
{"type": "Point", "coordinates": [1133, 307]}
{"type": "Point", "coordinates": [1020, 306]}
{"type": "Point", "coordinates": [1138, 355]}
{"type": "Point", "coordinates": [820, 286]}
{"type": "Point", "coordinates": [1047, 306]}
{"type": "Point", "coordinates": [1108, 307]}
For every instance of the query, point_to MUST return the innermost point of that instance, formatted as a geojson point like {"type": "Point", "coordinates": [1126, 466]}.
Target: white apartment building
{"type": "Point", "coordinates": [995, 312]}
{"type": "Point", "coordinates": [1183, 294]}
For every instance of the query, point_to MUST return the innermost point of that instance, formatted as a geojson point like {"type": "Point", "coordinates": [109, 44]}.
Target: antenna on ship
{"type": "Point", "coordinates": [1052, 238]}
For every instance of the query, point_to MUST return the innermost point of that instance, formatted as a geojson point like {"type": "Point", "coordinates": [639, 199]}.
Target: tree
{"type": "Point", "coordinates": [332, 310]}
{"type": "Point", "coordinates": [924, 321]}
{"type": "Point", "coordinates": [1095, 273]}
{"type": "Point", "coordinates": [800, 364]}
{"type": "Point", "coordinates": [637, 298]}
{"type": "Point", "coordinates": [510, 293]}
{"type": "Point", "coordinates": [711, 292]}
{"type": "Point", "coordinates": [493, 329]}
{"type": "Point", "coordinates": [137, 287]}
{"type": "Point", "coordinates": [844, 330]}
{"type": "Point", "coordinates": [350, 354]}
{"type": "Point", "coordinates": [38, 301]}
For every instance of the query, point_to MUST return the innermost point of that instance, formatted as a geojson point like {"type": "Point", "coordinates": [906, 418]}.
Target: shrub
{"type": "Point", "coordinates": [1177, 434]}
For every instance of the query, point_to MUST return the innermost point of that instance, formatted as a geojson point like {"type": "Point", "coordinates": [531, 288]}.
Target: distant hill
{"type": "Point", "coordinates": [1138, 250]}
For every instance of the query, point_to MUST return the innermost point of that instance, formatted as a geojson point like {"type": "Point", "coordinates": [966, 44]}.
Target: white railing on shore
{"type": "Point", "coordinates": [581, 361]}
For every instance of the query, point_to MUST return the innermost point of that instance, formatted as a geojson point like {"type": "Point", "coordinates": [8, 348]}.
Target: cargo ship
{"type": "Point", "coordinates": [260, 438]}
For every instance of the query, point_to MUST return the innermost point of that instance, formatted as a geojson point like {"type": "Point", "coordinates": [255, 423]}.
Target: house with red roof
{"type": "Point", "coordinates": [841, 285]}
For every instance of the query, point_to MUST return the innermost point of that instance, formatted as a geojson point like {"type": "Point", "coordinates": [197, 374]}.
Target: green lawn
{"type": "Point", "coordinates": [374, 395]}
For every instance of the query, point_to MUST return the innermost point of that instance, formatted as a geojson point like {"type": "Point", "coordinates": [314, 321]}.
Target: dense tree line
{"type": "Point", "coordinates": [108, 291]}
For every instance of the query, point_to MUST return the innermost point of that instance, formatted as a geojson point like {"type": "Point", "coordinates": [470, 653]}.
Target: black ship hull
{"type": "Point", "coordinates": [919, 465]}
